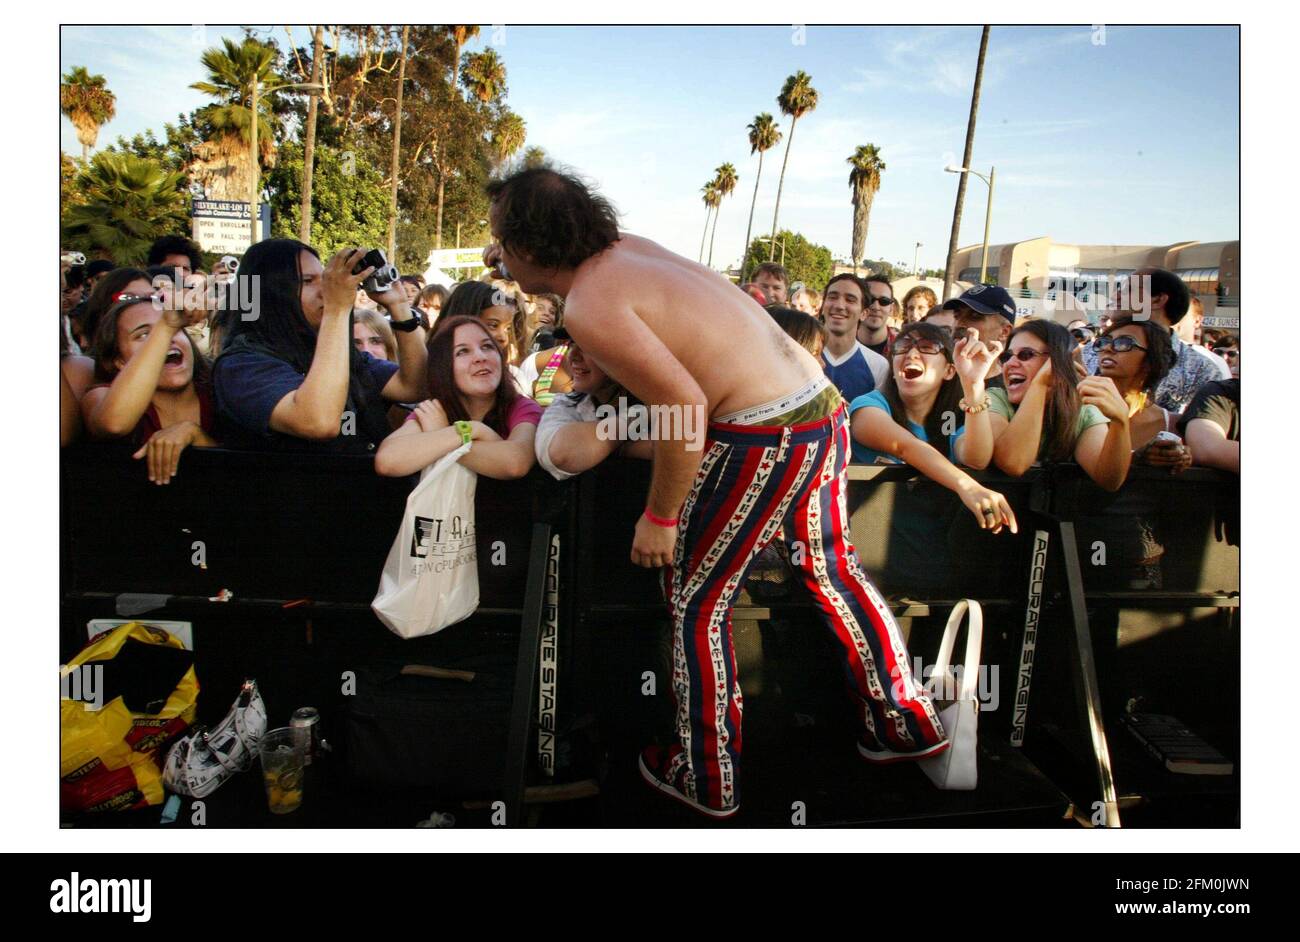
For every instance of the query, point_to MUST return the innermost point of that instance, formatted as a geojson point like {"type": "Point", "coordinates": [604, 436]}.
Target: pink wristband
{"type": "Point", "coordinates": [660, 521]}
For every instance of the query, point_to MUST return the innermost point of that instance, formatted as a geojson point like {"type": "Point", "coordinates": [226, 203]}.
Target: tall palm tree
{"type": "Point", "coordinates": [763, 136]}
{"type": "Point", "coordinates": [458, 35]}
{"type": "Point", "coordinates": [484, 74]}
{"type": "Point", "coordinates": [129, 202]}
{"type": "Point", "coordinates": [508, 135]}
{"type": "Point", "coordinates": [797, 98]}
{"type": "Point", "coordinates": [948, 274]}
{"type": "Point", "coordinates": [725, 180]}
{"type": "Point", "coordinates": [864, 181]}
{"type": "Point", "coordinates": [231, 73]}
{"type": "Point", "coordinates": [711, 200]}
{"type": "Point", "coordinates": [534, 156]}
{"type": "Point", "coordinates": [89, 105]}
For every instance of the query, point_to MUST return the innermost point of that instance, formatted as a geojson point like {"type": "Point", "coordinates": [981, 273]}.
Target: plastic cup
{"type": "Point", "coordinates": [283, 754]}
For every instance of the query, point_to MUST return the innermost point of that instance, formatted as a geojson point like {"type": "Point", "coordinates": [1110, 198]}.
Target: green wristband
{"type": "Point", "coordinates": [466, 432]}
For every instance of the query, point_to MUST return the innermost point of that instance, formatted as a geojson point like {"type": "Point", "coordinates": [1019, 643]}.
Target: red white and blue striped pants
{"type": "Point", "coordinates": [756, 484]}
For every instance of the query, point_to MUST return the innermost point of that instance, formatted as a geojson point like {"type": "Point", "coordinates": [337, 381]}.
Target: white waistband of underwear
{"type": "Point", "coordinates": [755, 415]}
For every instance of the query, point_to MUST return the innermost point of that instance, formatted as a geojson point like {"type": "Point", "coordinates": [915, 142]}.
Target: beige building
{"type": "Point", "coordinates": [1038, 270]}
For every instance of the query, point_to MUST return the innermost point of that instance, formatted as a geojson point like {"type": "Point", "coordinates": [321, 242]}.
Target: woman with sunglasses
{"type": "Point", "coordinates": [1052, 415]}
{"type": "Point", "coordinates": [1137, 355]}
{"type": "Point", "coordinates": [910, 419]}
{"type": "Point", "coordinates": [157, 386]}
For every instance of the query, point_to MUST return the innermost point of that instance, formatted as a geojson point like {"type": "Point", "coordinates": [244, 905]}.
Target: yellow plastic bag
{"type": "Point", "coordinates": [110, 757]}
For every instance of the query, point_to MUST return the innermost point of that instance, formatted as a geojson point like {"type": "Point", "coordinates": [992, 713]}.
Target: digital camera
{"type": "Point", "coordinates": [230, 263]}
{"type": "Point", "coordinates": [384, 275]}
{"type": "Point", "coordinates": [72, 258]}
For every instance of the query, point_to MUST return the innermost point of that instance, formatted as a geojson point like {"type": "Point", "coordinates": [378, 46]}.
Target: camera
{"type": "Point", "coordinates": [72, 258]}
{"type": "Point", "coordinates": [384, 275]}
{"type": "Point", "coordinates": [230, 263]}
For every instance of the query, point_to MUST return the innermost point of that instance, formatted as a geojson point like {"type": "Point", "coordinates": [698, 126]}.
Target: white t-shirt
{"type": "Point", "coordinates": [564, 409]}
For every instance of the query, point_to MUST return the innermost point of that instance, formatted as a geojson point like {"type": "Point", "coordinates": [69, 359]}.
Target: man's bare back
{"type": "Point", "coordinates": [729, 345]}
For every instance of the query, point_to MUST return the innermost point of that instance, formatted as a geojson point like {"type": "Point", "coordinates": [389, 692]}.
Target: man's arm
{"type": "Point", "coordinates": [1211, 447]}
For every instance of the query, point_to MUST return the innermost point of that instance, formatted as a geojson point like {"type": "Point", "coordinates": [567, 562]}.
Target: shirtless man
{"type": "Point", "coordinates": [675, 333]}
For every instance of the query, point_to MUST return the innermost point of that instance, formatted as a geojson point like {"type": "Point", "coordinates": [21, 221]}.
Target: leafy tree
{"type": "Point", "coordinates": [484, 75]}
{"type": "Point", "coordinates": [724, 180]}
{"type": "Point", "coordinates": [763, 136]}
{"type": "Point", "coordinates": [805, 261]}
{"type": "Point", "coordinates": [128, 202]}
{"type": "Point", "coordinates": [864, 181]}
{"type": "Point", "coordinates": [459, 35]}
{"type": "Point", "coordinates": [349, 201]}
{"type": "Point", "coordinates": [89, 105]}
{"type": "Point", "coordinates": [176, 152]}
{"type": "Point", "coordinates": [797, 98]}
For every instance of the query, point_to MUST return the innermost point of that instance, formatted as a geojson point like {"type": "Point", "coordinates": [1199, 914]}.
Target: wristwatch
{"type": "Point", "coordinates": [466, 432]}
{"type": "Point", "coordinates": [408, 325]}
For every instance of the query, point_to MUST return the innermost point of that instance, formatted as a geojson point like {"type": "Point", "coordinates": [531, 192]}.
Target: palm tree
{"type": "Point", "coordinates": [534, 157]}
{"type": "Point", "coordinates": [797, 98]}
{"type": "Point", "coordinates": [948, 274]}
{"type": "Point", "coordinates": [484, 74]}
{"type": "Point", "coordinates": [128, 202]}
{"type": "Point", "coordinates": [725, 181]}
{"type": "Point", "coordinates": [89, 105]}
{"type": "Point", "coordinates": [232, 71]}
{"type": "Point", "coordinates": [508, 135]}
{"type": "Point", "coordinates": [711, 201]}
{"type": "Point", "coordinates": [763, 136]}
{"type": "Point", "coordinates": [458, 35]}
{"type": "Point", "coordinates": [864, 180]}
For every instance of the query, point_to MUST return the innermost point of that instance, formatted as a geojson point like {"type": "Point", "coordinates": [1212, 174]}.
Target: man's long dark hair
{"type": "Point", "coordinates": [1061, 414]}
{"type": "Point", "coordinates": [945, 404]}
{"type": "Point", "coordinates": [552, 217]}
{"type": "Point", "coordinates": [268, 291]}
{"type": "Point", "coordinates": [442, 375]}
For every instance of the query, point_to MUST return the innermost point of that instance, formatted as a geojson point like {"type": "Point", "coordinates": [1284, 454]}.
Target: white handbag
{"type": "Point", "coordinates": [955, 768]}
{"type": "Point", "coordinates": [430, 579]}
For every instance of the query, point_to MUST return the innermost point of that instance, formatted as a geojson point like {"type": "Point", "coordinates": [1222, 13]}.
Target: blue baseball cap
{"type": "Point", "coordinates": [985, 299]}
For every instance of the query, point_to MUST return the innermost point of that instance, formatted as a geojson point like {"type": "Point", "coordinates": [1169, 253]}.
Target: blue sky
{"type": "Point", "coordinates": [1132, 140]}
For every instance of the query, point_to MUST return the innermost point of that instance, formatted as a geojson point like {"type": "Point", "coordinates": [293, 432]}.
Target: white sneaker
{"type": "Point", "coordinates": [203, 759]}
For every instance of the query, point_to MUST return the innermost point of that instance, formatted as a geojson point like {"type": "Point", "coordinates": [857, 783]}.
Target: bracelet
{"type": "Point", "coordinates": [660, 521]}
{"type": "Point", "coordinates": [466, 431]}
{"type": "Point", "coordinates": [980, 406]}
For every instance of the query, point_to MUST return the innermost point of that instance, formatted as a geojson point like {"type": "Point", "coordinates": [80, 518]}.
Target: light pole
{"type": "Point", "coordinates": [311, 87]}
{"type": "Point", "coordinates": [915, 256]}
{"type": "Point", "coordinates": [769, 239]}
{"type": "Point", "coordinates": [988, 212]}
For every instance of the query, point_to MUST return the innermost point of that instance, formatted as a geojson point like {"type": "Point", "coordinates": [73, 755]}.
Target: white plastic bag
{"type": "Point", "coordinates": [430, 579]}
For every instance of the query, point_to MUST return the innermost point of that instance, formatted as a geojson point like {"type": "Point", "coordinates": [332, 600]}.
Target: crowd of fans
{"type": "Point", "coordinates": [283, 350]}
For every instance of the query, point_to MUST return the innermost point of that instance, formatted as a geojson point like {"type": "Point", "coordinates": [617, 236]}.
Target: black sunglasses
{"type": "Point", "coordinates": [1081, 335]}
{"type": "Point", "coordinates": [904, 347]}
{"type": "Point", "coordinates": [1121, 344]}
{"type": "Point", "coordinates": [1024, 355]}
{"type": "Point", "coordinates": [881, 300]}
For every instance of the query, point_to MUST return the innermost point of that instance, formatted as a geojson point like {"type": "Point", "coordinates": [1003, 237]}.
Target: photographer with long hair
{"type": "Point", "coordinates": [1054, 416]}
{"type": "Point", "coordinates": [289, 376]}
{"type": "Point", "coordinates": [469, 384]}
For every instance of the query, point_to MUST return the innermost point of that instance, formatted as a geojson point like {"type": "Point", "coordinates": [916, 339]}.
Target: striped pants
{"type": "Point", "coordinates": [756, 484]}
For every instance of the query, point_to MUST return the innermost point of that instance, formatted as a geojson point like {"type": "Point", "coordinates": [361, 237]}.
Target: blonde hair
{"type": "Point", "coordinates": [379, 324]}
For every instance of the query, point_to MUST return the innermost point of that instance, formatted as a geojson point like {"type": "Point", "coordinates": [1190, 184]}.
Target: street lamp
{"type": "Point", "coordinates": [915, 256]}
{"type": "Point", "coordinates": [311, 88]}
{"type": "Point", "coordinates": [769, 239]}
{"type": "Point", "coordinates": [988, 212]}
